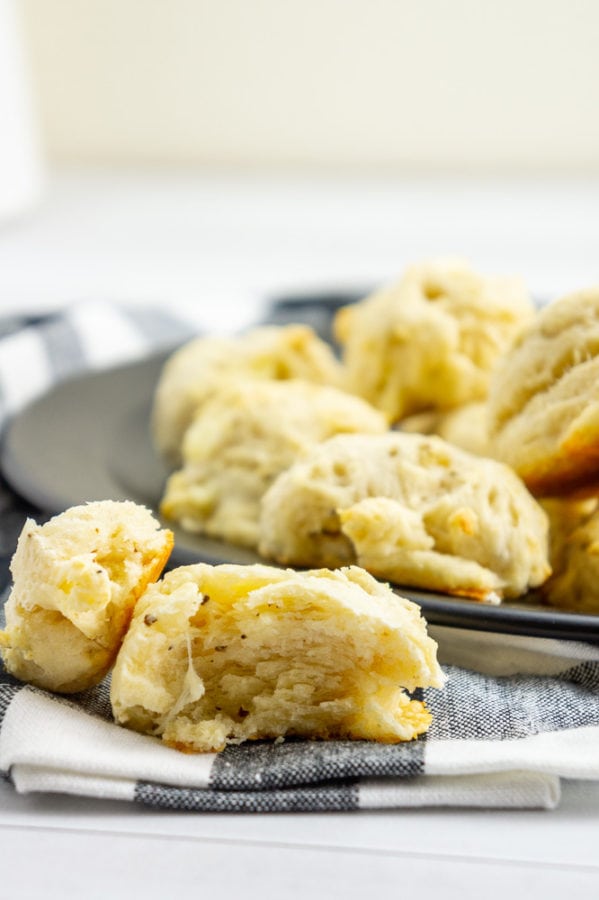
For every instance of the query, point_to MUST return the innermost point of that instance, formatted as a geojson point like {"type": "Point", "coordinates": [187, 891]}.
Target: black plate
{"type": "Point", "coordinates": [88, 439]}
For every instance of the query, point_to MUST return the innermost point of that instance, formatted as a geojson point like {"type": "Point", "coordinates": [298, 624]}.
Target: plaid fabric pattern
{"type": "Point", "coordinates": [502, 736]}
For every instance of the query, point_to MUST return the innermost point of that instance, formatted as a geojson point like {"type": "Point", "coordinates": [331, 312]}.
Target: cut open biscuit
{"type": "Point", "coordinates": [225, 654]}
{"type": "Point", "coordinates": [75, 582]}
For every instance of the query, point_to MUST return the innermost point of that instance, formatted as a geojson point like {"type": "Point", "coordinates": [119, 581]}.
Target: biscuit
{"type": "Point", "coordinates": [432, 339]}
{"type": "Point", "coordinates": [191, 374]}
{"type": "Point", "coordinates": [75, 582]}
{"type": "Point", "coordinates": [465, 427]}
{"type": "Point", "coordinates": [242, 438]}
{"type": "Point", "coordinates": [574, 555]}
{"type": "Point", "coordinates": [544, 400]}
{"type": "Point", "coordinates": [221, 655]}
{"type": "Point", "coordinates": [410, 509]}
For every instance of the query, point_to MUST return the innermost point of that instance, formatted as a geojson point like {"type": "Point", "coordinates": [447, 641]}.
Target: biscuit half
{"type": "Point", "coordinates": [221, 655]}
{"type": "Point", "coordinates": [75, 582]}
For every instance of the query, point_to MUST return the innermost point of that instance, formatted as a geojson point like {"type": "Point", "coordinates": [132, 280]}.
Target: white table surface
{"type": "Point", "coordinates": [216, 247]}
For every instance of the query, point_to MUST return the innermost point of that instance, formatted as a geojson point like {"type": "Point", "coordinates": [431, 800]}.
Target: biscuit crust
{"type": "Point", "coordinates": [411, 509]}
{"type": "Point", "coordinates": [544, 400]}
{"type": "Point", "coordinates": [574, 531]}
{"type": "Point", "coordinates": [242, 438]}
{"type": "Point", "coordinates": [431, 340]}
{"type": "Point", "coordinates": [194, 371]}
{"type": "Point", "coordinates": [465, 427]}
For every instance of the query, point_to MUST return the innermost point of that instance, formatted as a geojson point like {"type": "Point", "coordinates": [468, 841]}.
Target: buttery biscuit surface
{"type": "Point", "coordinates": [192, 372]}
{"type": "Point", "coordinates": [574, 544]}
{"type": "Point", "coordinates": [411, 509]}
{"type": "Point", "coordinates": [431, 340]}
{"type": "Point", "coordinates": [544, 400]}
{"type": "Point", "coordinates": [465, 427]}
{"type": "Point", "coordinates": [242, 438]}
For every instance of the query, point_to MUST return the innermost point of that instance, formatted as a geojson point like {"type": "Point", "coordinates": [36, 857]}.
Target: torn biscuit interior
{"type": "Point", "coordinates": [75, 582]}
{"type": "Point", "coordinates": [220, 655]}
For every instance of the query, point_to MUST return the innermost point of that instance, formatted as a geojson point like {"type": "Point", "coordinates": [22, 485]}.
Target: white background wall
{"type": "Point", "coordinates": [394, 84]}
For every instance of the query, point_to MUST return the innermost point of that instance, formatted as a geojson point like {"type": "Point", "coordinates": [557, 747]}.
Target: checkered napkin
{"type": "Point", "coordinates": [516, 716]}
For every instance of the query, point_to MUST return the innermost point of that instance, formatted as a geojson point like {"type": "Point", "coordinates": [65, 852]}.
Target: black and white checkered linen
{"type": "Point", "coordinates": [516, 716]}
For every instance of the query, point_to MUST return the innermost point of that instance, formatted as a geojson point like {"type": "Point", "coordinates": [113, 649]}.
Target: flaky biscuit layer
{"type": "Point", "coordinates": [75, 583]}
{"type": "Point", "coordinates": [220, 655]}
